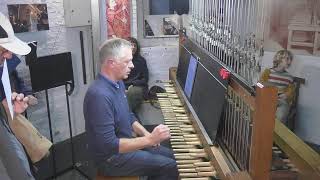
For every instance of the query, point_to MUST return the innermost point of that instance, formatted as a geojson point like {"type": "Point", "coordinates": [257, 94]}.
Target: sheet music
{"type": "Point", "coordinates": [7, 87]}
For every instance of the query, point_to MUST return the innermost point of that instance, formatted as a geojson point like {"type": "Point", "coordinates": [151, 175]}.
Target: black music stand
{"type": "Point", "coordinates": [73, 166]}
{"type": "Point", "coordinates": [50, 72]}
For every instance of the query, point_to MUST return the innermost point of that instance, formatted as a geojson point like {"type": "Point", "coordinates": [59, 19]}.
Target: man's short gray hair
{"type": "Point", "coordinates": [113, 49]}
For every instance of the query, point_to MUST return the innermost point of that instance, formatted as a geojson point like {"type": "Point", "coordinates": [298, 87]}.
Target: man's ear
{"type": "Point", "coordinates": [109, 62]}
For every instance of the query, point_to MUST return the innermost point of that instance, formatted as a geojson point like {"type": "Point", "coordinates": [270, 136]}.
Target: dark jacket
{"type": "Point", "coordinates": [17, 83]}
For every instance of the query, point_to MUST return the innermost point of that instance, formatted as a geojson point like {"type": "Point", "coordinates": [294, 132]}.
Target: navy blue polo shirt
{"type": "Point", "coordinates": [107, 117]}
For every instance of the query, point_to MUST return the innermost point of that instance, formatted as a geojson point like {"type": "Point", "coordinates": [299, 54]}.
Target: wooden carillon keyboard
{"type": "Point", "coordinates": [192, 160]}
{"type": "Point", "coordinates": [213, 96]}
{"type": "Point", "coordinates": [241, 151]}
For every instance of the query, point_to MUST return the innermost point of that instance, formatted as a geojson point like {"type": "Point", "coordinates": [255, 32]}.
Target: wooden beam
{"type": "Point", "coordinates": [301, 155]}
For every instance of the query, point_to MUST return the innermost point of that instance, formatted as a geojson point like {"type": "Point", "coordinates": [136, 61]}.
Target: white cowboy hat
{"type": "Point", "coordinates": [8, 40]}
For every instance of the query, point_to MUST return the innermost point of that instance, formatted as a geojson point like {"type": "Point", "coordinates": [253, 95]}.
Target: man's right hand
{"type": "Point", "coordinates": [159, 134]}
{"type": "Point", "coordinates": [20, 103]}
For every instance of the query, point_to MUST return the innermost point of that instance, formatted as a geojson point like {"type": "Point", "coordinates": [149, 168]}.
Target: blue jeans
{"type": "Point", "coordinates": [157, 163]}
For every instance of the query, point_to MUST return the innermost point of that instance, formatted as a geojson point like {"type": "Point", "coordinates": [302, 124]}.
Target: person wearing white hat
{"type": "Point", "coordinates": [12, 155]}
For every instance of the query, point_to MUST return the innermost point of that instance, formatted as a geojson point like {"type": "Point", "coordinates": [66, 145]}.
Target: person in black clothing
{"type": "Point", "coordinates": [137, 81]}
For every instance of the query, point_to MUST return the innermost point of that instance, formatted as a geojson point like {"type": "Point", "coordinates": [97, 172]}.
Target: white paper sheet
{"type": "Point", "coordinates": [7, 87]}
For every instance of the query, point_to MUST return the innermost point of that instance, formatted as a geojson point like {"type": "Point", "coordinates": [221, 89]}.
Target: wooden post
{"type": "Point", "coordinates": [262, 133]}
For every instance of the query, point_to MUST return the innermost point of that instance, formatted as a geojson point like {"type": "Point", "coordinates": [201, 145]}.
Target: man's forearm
{"type": "Point", "coordinates": [159, 134]}
{"type": "Point", "coordinates": [129, 145]}
{"type": "Point", "coordinates": [139, 129]}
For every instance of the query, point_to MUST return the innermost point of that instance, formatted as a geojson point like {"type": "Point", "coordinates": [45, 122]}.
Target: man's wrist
{"type": "Point", "coordinates": [146, 133]}
{"type": "Point", "coordinates": [150, 140]}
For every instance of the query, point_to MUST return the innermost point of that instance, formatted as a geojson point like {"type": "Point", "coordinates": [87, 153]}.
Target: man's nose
{"type": "Point", "coordinates": [6, 54]}
{"type": "Point", "coordinates": [131, 65]}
